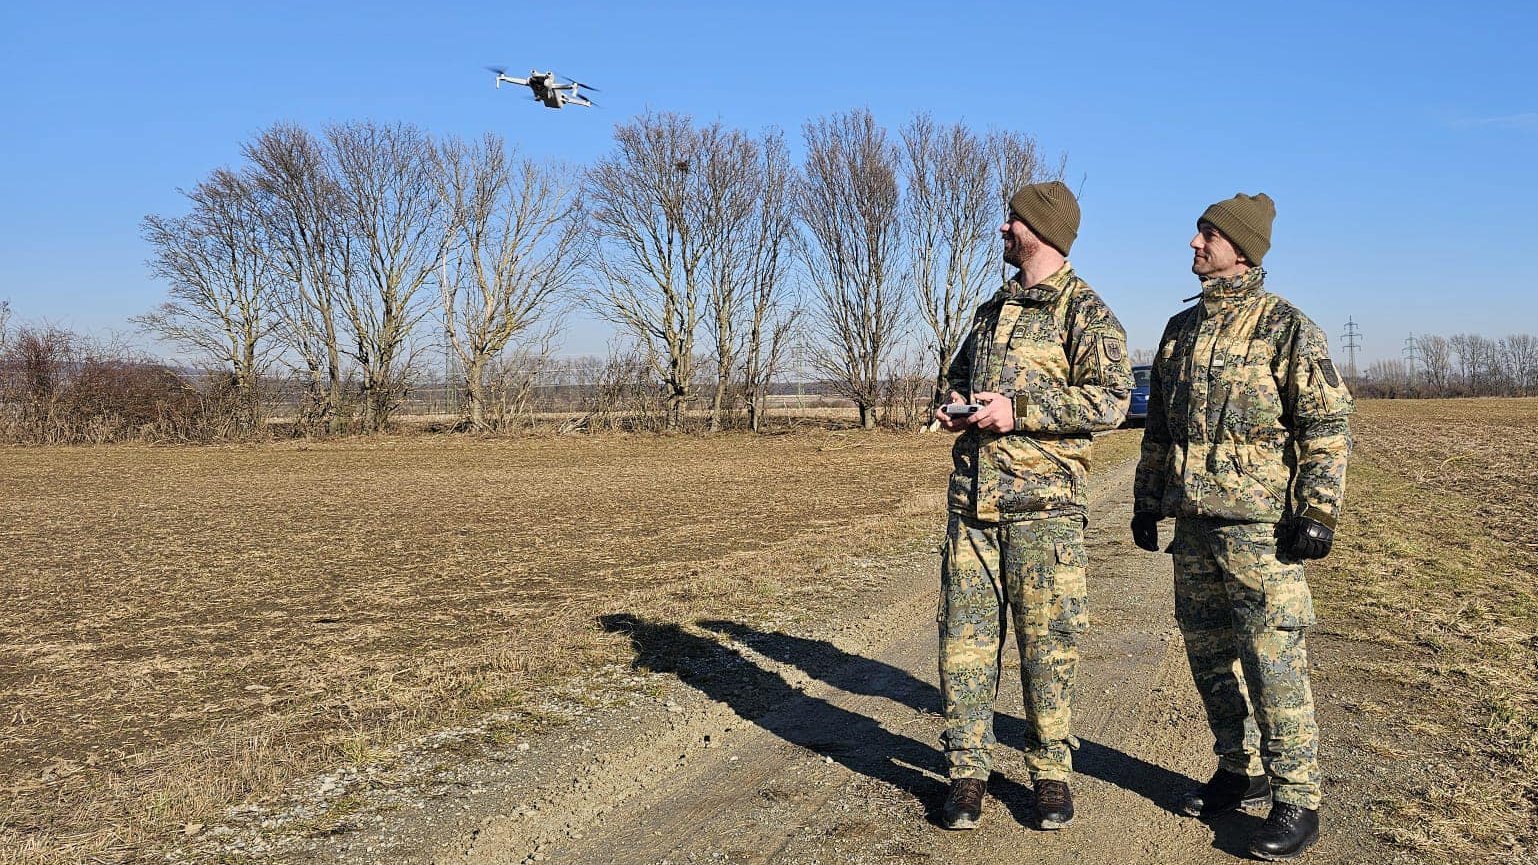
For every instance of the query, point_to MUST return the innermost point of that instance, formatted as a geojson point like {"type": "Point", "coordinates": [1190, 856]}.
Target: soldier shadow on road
{"type": "Point", "coordinates": [850, 739]}
{"type": "Point", "coordinates": [855, 741]}
{"type": "Point", "coordinates": [859, 675]}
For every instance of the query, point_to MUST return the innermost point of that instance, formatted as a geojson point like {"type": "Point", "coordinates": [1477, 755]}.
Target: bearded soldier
{"type": "Point", "coordinates": [1246, 446]}
{"type": "Point", "coordinates": [1046, 361]}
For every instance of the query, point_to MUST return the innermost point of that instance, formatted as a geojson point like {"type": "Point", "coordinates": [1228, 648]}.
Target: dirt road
{"type": "Point", "coordinates": [783, 748]}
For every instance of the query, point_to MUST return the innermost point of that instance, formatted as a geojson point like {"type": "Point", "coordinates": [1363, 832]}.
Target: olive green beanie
{"type": "Point", "coordinates": [1050, 210]}
{"type": "Point", "coordinates": [1246, 221]}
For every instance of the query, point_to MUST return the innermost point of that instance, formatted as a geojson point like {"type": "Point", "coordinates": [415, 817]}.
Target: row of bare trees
{"type": "Point", "coordinates": [328, 253]}
{"type": "Point", "coordinates": [336, 260]}
{"type": "Point", "coordinates": [1463, 364]}
{"type": "Point", "coordinates": [708, 230]}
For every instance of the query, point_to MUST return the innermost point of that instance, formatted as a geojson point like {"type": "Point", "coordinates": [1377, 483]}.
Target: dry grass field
{"type": "Point", "coordinates": [190, 628]}
{"type": "Point", "coordinates": [1430, 606]}
{"type": "Point", "coordinates": [186, 628]}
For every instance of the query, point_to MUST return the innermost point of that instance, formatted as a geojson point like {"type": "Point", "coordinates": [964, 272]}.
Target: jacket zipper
{"type": "Point", "coordinates": [1073, 480]}
{"type": "Point", "coordinates": [1239, 467]}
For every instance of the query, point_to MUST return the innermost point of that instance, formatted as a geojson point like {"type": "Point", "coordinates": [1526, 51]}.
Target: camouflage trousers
{"type": "Point", "coordinates": [1243, 612]}
{"type": "Point", "coordinates": [1031, 571]}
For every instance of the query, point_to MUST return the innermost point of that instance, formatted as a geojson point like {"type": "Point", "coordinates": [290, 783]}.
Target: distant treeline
{"type": "Point", "coordinates": [1464, 364]}
{"type": "Point", "coordinates": [355, 261]}
{"type": "Point", "coordinates": [59, 387]}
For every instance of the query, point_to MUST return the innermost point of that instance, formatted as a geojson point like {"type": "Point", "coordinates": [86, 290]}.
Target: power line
{"type": "Point", "coordinates": [1353, 341]}
{"type": "Point", "coordinates": [1411, 352]}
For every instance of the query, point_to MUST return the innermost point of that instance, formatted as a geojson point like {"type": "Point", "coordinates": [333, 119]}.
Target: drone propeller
{"type": "Point", "coordinates": [571, 80]}
{"type": "Point", "coordinates": [500, 70]}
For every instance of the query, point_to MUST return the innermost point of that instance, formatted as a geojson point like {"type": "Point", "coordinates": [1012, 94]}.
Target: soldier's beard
{"type": "Point", "coordinates": [1021, 252]}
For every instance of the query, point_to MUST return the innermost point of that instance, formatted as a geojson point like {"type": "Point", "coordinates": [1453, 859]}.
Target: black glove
{"type": "Point", "coordinates": [1145, 531]}
{"type": "Point", "coordinates": [1311, 539]}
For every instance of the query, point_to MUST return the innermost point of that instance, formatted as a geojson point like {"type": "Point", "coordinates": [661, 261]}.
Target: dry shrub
{"type": "Point", "coordinates": [905, 393]}
{"type": "Point", "coordinates": [59, 388]}
{"type": "Point", "coordinates": [627, 396]}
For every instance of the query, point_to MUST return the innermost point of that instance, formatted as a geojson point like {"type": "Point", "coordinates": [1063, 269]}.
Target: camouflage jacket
{"type": "Point", "coordinates": [1247, 415]}
{"type": "Point", "coordinates": [1059, 353]}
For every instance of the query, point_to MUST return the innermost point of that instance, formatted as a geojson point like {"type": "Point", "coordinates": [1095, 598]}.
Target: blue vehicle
{"type": "Point", "coordinates": [1137, 411]}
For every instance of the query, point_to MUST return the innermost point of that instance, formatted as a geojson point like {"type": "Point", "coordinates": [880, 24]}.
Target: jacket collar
{"type": "Point", "coordinates": [1225, 289]}
{"type": "Point", "coordinates": [1047, 289]}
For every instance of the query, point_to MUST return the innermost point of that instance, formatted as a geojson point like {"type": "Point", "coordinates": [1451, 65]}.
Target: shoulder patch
{"type": "Point", "coordinates": [1330, 375]}
{"type": "Point", "coordinates": [1112, 349]}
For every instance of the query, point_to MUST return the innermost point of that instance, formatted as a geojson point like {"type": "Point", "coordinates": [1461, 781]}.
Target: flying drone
{"type": "Point", "coordinates": [548, 87]}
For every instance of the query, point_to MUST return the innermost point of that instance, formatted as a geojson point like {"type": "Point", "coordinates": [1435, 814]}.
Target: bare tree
{"type": "Point", "coordinates": [1519, 356]}
{"type": "Point", "coordinates": [773, 315]}
{"type": "Point", "coordinates": [222, 292]}
{"type": "Point", "coordinates": [1388, 378]}
{"type": "Point", "coordinates": [1016, 160]}
{"type": "Point", "coordinates": [5, 323]}
{"type": "Point", "coordinates": [392, 211]}
{"type": "Point", "coordinates": [848, 201]}
{"type": "Point", "coordinates": [1436, 363]}
{"type": "Point", "coordinates": [1485, 364]}
{"type": "Point", "coordinates": [731, 187]}
{"type": "Point", "coordinates": [1459, 343]}
{"type": "Point", "coordinates": [950, 212]}
{"type": "Point", "coordinates": [646, 206]}
{"type": "Point", "coordinates": [515, 248]}
{"type": "Point", "coordinates": [309, 246]}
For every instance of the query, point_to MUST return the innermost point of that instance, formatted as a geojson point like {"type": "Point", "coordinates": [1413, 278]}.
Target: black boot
{"type": "Point", "coordinates": [1287, 832]}
{"type": "Point", "coordinates": [1226, 792]}
{"type": "Point", "coordinates": [964, 806]}
{"type": "Point", "coordinates": [1054, 804]}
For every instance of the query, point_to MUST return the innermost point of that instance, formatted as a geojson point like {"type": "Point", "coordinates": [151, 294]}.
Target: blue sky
{"type": "Point", "coordinates": [1400, 142]}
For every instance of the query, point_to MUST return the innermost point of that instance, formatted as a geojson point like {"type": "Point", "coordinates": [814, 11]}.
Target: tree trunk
{"type": "Point", "coordinates": [676, 411]}
{"type": "Point", "coordinates": [867, 416]}
{"type": "Point", "coordinates": [717, 404]}
{"type": "Point", "coordinates": [333, 407]}
{"type": "Point", "coordinates": [475, 395]}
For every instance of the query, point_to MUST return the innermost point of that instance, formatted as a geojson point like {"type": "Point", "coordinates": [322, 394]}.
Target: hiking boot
{"type": "Point", "coordinates": [1287, 832]}
{"type": "Point", "coordinates": [1054, 804]}
{"type": "Point", "coordinates": [1227, 791]}
{"type": "Point", "coordinates": [964, 805]}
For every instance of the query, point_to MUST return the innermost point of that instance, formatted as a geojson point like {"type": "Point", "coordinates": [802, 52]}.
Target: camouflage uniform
{"type": "Point", "coordinates": [1015, 539]}
{"type": "Point", "coordinates": [1247, 427]}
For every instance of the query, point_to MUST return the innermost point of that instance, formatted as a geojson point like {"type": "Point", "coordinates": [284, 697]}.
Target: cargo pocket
{"type": "Point", "coordinates": [1067, 611]}
{"type": "Point", "coordinates": [1289, 603]}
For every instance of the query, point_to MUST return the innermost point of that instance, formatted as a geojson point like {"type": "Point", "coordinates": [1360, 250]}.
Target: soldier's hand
{"type": "Point", "coordinates": [997, 413]}
{"type": "Point", "coordinates": [1145, 531]}
{"type": "Point", "coordinates": [948, 423]}
{"type": "Point", "coordinates": [1311, 539]}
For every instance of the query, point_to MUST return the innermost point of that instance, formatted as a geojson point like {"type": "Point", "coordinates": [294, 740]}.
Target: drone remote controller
{"type": "Point", "coordinates": [959, 409]}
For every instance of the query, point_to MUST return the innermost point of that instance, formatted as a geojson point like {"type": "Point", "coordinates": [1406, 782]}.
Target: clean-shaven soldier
{"type": "Point", "coordinates": [1047, 362]}
{"type": "Point", "coordinates": [1245, 446]}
